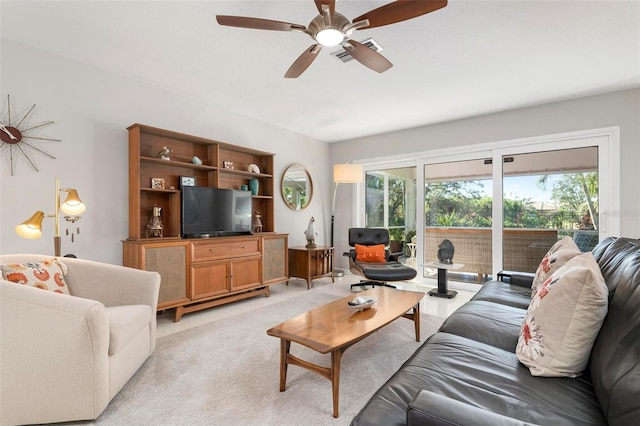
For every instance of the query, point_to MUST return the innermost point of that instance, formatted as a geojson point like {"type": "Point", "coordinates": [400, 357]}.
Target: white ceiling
{"type": "Point", "coordinates": [470, 58]}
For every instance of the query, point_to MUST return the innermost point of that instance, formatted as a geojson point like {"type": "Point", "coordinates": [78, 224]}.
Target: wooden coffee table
{"type": "Point", "coordinates": [334, 327]}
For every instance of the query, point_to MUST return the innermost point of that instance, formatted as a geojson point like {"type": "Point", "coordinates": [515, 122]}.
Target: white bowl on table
{"type": "Point", "coordinates": [361, 303]}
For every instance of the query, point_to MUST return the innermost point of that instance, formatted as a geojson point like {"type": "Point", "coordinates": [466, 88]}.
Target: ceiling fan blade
{"type": "Point", "coordinates": [302, 63]}
{"type": "Point", "coordinates": [257, 23]}
{"type": "Point", "coordinates": [331, 3]}
{"type": "Point", "coordinates": [367, 57]}
{"type": "Point", "coordinates": [399, 10]}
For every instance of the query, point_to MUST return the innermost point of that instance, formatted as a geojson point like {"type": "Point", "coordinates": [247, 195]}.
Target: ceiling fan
{"type": "Point", "coordinates": [330, 28]}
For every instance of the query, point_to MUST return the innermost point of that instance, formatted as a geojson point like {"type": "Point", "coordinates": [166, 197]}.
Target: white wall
{"type": "Point", "coordinates": [612, 109]}
{"type": "Point", "coordinates": [91, 109]}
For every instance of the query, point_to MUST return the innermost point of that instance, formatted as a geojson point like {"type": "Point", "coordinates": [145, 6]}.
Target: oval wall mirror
{"type": "Point", "coordinates": [296, 187]}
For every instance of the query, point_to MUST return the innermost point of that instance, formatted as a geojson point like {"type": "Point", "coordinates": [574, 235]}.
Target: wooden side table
{"type": "Point", "coordinates": [311, 263]}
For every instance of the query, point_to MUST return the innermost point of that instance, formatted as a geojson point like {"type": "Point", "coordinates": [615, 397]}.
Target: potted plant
{"type": "Point", "coordinates": [396, 240]}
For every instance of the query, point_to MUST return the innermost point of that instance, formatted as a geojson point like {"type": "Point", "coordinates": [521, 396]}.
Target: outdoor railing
{"type": "Point", "coordinates": [523, 249]}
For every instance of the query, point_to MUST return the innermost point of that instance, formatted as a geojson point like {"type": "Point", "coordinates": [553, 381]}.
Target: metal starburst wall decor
{"type": "Point", "coordinates": [20, 137]}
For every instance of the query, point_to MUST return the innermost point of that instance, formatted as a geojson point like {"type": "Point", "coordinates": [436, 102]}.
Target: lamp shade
{"type": "Point", "coordinates": [32, 227]}
{"type": "Point", "coordinates": [73, 205]}
{"type": "Point", "coordinates": [347, 173]}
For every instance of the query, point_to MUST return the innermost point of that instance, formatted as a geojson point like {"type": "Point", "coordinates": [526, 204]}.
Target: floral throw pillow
{"type": "Point", "coordinates": [46, 275]}
{"type": "Point", "coordinates": [559, 254]}
{"type": "Point", "coordinates": [563, 319]}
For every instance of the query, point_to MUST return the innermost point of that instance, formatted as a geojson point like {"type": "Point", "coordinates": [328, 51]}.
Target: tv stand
{"type": "Point", "coordinates": [201, 273]}
{"type": "Point", "coordinates": [199, 236]}
{"type": "Point", "coordinates": [203, 270]}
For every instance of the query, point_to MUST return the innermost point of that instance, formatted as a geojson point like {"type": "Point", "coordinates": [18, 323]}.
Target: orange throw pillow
{"type": "Point", "coordinates": [371, 254]}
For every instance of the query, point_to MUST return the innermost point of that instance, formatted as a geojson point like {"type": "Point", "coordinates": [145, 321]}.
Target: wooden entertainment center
{"type": "Point", "coordinates": [203, 272]}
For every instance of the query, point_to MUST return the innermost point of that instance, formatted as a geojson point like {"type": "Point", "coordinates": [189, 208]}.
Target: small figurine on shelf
{"type": "Point", "coordinates": [257, 222]}
{"type": "Point", "coordinates": [164, 153]}
{"type": "Point", "coordinates": [310, 234]}
{"type": "Point", "coordinates": [155, 227]}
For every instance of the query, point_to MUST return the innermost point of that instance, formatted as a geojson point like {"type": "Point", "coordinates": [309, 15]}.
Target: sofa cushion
{"type": "Point", "coordinates": [615, 359]}
{"type": "Point", "coordinates": [601, 247]}
{"type": "Point", "coordinates": [125, 322]}
{"type": "Point", "coordinates": [46, 275]}
{"type": "Point", "coordinates": [505, 294]}
{"type": "Point", "coordinates": [487, 322]}
{"type": "Point", "coordinates": [612, 257]}
{"type": "Point", "coordinates": [485, 377]}
{"type": "Point", "coordinates": [564, 319]}
{"type": "Point", "coordinates": [370, 254]}
{"type": "Point", "coordinates": [559, 254]}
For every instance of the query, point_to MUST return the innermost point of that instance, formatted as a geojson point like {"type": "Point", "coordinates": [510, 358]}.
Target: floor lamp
{"type": "Point", "coordinates": [343, 173]}
{"type": "Point", "coordinates": [72, 207]}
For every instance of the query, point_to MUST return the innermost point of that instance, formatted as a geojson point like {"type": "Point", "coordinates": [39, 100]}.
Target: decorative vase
{"type": "Point", "coordinates": [254, 185]}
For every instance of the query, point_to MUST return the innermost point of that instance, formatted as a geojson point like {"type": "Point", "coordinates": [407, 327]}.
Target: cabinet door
{"type": "Point", "coordinates": [169, 260]}
{"type": "Point", "coordinates": [275, 259]}
{"type": "Point", "coordinates": [210, 279]}
{"type": "Point", "coordinates": [246, 273]}
{"type": "Point", "coordinates": [299, 263]}
{"type": "Point", "coordinates": [322, 262]}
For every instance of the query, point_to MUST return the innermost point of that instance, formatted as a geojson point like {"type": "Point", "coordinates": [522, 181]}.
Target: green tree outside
{"type": "Point", "coordinates": [461, 203]}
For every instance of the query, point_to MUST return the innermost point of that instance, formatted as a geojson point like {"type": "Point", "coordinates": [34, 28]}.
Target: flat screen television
{"type": "Point", "coordinates": [214, 212]}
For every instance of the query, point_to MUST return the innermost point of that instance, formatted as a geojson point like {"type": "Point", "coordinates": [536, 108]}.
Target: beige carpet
{"type": "Point", "coordinates": [227, 373]}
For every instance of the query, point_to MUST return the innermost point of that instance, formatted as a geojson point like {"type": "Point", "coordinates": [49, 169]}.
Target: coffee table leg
{"type": "Point", "coordinates": [336, 357]}
{"type": "Point", "coordinates": [285, 346]}
{"type": "Point", "coordinates": [416, 320]}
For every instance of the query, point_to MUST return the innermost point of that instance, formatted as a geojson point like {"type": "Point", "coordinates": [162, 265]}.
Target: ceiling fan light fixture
{"type": "Point", "coordinates": [329, 37]}
{"type": "Point", "coordinates": [330, 28]}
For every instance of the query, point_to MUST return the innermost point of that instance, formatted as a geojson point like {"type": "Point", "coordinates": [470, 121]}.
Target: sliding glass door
{"type": "Point", "coordinates": [548, 195]}
{"type": "Point", "coordinates": [458, 207]}
{"type": "Point", "coordinates": [542, 196]}
{"type": "Point", "coordinates": [502, 205]}
{"type": "Point", "coordinates": [390, 202]}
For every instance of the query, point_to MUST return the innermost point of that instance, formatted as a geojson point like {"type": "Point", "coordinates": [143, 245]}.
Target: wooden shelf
{"type": "Point", "coordinates": [244, 173]}
{"type": "Point", "coordinates": [145, 142]}
{"type": "Point", "coordinates": [177, 163]}
{"type": "Point", "coordinates": [160, 190]}
{"type": "Point", "coordinates": [156, 239]}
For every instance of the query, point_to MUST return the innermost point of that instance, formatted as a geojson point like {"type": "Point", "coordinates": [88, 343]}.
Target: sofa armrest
{"type": "Point", "coordinates": [522, 279]}
{"type": "Point", "coordinates": [112, 285]}
{"type": "Point", "coordinates": [115, 285]}
{"type": "Point", "coordinates": [430, 408]}
{"type": "Point", "coordinates": [51, 344]}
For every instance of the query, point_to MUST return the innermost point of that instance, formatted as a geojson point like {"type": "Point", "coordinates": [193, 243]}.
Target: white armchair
{"type": "Point", "coordinates": [63, 358]}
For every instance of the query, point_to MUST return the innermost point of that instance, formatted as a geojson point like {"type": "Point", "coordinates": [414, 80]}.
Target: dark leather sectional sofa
{"type": "Point", "coordinates": [468, 373]}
